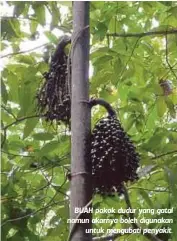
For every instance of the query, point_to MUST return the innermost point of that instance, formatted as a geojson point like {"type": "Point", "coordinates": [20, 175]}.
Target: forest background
{"type": "Point", "coordinates": [133, 49]}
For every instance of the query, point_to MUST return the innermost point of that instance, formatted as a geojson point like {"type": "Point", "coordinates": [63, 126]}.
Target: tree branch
{"type": "Point", "coordinates": [164, 154]}
{"type": "Point", "coordinates": [32, 213]}
{"type": "Point", "coordinates": [165, 75]}
{"type": "Point", "coordinates": [8, 111]}
{"type": "Point", "coordinates": [20, 155]}
{"type": "Point", "coordinates": [103, 103]}
{"type": "Point", "coordinates": [124, 69]}
{"type": "Point", "coordinates": [14, 123]}
{"type": "Point", "coordinates": [21, 119]}
{"type": "Point", "coordinates": [167, 58]}
{"type": "Point", "coordinates": [140, 35]}
{"type": "Point", "coordinates": [24, 51]}
{"type": "Point", "coordinates": [149, 190]}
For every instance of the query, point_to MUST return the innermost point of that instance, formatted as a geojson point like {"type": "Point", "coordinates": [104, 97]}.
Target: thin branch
{"type": "Point", "coordinates": [49, 181]}
{"type": "Point", "coordinates": [14, 123]}
{"type": "Point", "coordinates": [12, 154]}
{"type": "Point", "coordinates": [164, 154]}
{"type": "Point", "coordinates": [43, 208]}
{"type": "Point", "coordinates": [21, 119]}
{"type": "Point", "coordinates": [19, 18]}
{"type": "Point", "coordinates": [31, 214]}
{"type": "Point", "coordinates": [47, 178]}
{"type": "Point", "coordinates": [167, 58]}
{"type": "Point", "coordinates": [24, 51]}
{"type": "Point", "coordinates": [9, 198]}
{"type": "Point", "coordinates": [146, 189]}
{"type": "Point", "coordinates": [150, 110]}
{"type": "Point", "coordinates": [8, 111]}
{"type": "Point", "coordinates": [140, 35]}
{"type": "Point", "coordinates": [33, 192]}
{"type": "Point", "coordinates": [60, 27]}
{"type": "Point", "coordinates": [165, 75]}
{"type": "Point", "coordinates": [134, 47]}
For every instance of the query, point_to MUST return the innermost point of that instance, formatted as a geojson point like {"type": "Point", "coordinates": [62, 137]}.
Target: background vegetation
{"type": "Point", "coordinates": [125, 71]}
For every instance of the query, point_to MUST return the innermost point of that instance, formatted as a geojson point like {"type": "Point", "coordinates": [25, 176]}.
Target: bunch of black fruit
{"type": "Point", "coordinates": [113, 155]}
{"type": "Point", "coordinates": [54, 99]}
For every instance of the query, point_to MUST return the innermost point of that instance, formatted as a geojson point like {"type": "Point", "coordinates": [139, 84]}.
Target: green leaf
{"type": "Point", "coordinates": [161, 106]}
{"type": "Point", "coordinates": [139, 125]}
{"type": "Point", "coordinates": [7, 29]}
{"type": "Point", "coordinates": [15, 24]}
{"type": "Point", "coordinates": [25, 98]}
{"type": "Point", "coordinates": [27, 59]}
{"type": "Point", "coordinates": [33, 26]}
{"type": "Point", "coordinates": [155, 141]}
{"type": "Point", "coordinates": [129, 123]}
{"type": "Point", "coordinates": [66, 3]}
{"type": "Point", "coordinates": [55, 14]}
{"type": "Point", "coordinates": [15, 145]}
{"type": "Point", "coordinates": [100, 31]}
{"type": "Point", "coordinates": [29, 126]}
{"type": "Point", "coordinates": [49, 147]}
{"type": "Point", "coordinates": [101, 78]}
{"type": "Point", "coordinates": [64, 145]}
{"type": "Point", "coordinates": [171, 107]}
{"type": "Point", "coordinates": [151, 118]}
{"type": "Point", "coordinates": [26, 91]}
{"type": "Point", "coordinates": [43, 136]}
{"type": "Point", "coordinates": [40, 13]}
{"type": "Point", "coordinates": [108, 95]}
{"type": "Point", "coordinates": [173, 97]}
{"type": "Point", "coordinates": [172, 179]}
{"type": "Point", "coordinates": [4, 92]}
{"type": "Point", "coordinates": [12, 82]}
{"type": "Point", "coordinates": [19, 8]}
{"type": "Point", "coordinates": [166, 3]}
{"type": "Point", "coordinates": [42, 67]}
{"type": "Point", "coordinates": [3, 45]}
{"type": "Point", "coordinates": [51, 37]}
{"type": "Point", "coordinates": [146, 197]}
{"type": "Point", "coordinates": [59, 177]}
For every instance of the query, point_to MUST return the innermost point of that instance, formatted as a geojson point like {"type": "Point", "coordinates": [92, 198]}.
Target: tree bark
{"type": "Point", "coordinates": [81, 188]}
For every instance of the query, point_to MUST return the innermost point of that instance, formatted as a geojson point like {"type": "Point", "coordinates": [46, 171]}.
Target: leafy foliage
{"type": "Point", "coordinates": [126, 73]}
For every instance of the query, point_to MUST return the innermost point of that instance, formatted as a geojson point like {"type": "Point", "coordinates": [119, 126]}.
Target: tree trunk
{"type": "Point", "coordinates": [81, 188]}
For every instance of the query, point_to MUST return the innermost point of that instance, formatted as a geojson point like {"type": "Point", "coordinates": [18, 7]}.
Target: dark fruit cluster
{"type": "Point", "coordinates": [54, 98]}
{"type": "Point", "coordinates": [113, 155]}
